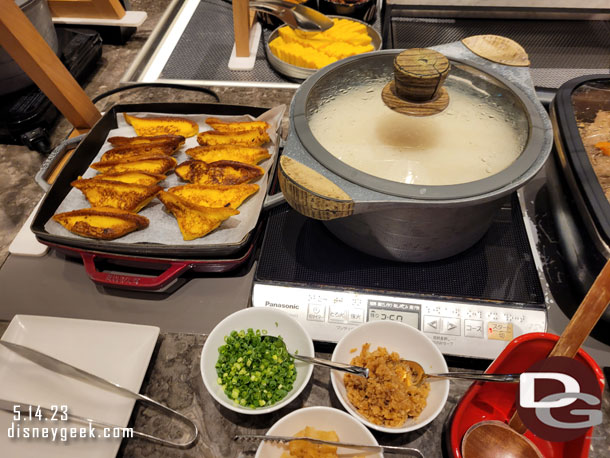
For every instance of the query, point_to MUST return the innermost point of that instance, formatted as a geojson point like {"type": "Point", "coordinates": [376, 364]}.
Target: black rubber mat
{"type": "Point", "coordinates": [559, 50]}
{"type": "Point", "coordinates": [500, 267]}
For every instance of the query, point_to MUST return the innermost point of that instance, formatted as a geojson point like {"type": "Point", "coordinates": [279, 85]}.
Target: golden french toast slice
{"type": "Point", "coordinates": [218, 173]}
{"type": "Point", "coordinates": [151, 164]}
{"type": "Point", "coordinates": [101, 223]}
{"type": "Point", "coordinates": [135, 177]}
{"type": "Point", "coordinates": [194, 221]}
{"type": "Point", "coordinates": [248, 138]}
{"type": "Point", "coordinates": [215, 196]}
{"type": "Point", "coordinates": [162, 125]}
{"type": "Point", "coordinates": [238, 153]}
{"type": "Point", "coordinates": [233, 127]}
{"type": "Point", "coordinates": [116, 194]}
{"type": "Point", "coordinates": [149, 149]}
{"type": "Point", "coordinates": [178, 140]}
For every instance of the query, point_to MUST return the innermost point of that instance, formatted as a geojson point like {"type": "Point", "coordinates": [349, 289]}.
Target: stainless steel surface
{"type": "Point", "coordinates": [418, 375]}
{"type": "Point", "coordinates": [521, 9]}
{"type": "Point", "coordinates": [414, 233]}
{"type": "Point", "coordinates": [301, 73]}
{"type": "Point", "coordinates": [381, 448]}
{"type": "Point", "coordinates": [343, 367]}
{"type": "Point", "coordinates": [293, 14]}
{"type": "Point", "coordinates": [63, 289]}
{"type": "Point", "coordinates": [558, 50]}
{"type": "Point", "coordinates": [415, 223]}
{"type": "Point", "coordinates": [68, 370]}
{"type": "Point", "coordinates": [204, 29]}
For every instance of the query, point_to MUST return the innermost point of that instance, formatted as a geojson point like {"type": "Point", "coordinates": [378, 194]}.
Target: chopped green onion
{"type": "Point", "coordinates": [254, 372]}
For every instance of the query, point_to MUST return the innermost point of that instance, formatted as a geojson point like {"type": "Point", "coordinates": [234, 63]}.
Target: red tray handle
{"type": "Point", "coordinates": [134, 281]}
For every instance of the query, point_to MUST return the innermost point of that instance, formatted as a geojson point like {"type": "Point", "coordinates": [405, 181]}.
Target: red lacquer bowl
{"type": "Point", "coordinates": [496, 401]}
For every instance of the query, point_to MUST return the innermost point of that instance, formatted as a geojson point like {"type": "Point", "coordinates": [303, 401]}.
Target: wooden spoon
{"type": "Point", "coordinates": [495, 439]}
{"type": "Point", "coordinates": [489, 439]}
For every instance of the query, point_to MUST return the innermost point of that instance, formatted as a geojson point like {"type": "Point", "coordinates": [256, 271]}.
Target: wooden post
{"type": "Point", "coordinates": [32, 53]}
{"type": "Point", "coordinates": [111, 9]}
{"type": "Point", "coordinates": [241, 27]}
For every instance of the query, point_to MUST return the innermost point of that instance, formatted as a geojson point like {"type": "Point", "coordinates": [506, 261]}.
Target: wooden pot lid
{"type": "Point", "coordinates": [416, 89]}
{"type": "Point", "coordinates": [498, 49]}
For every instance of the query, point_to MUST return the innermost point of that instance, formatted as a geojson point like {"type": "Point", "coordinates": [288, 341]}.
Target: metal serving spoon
{"type": "Point", "coordinates": [355, 370]}
{"type": "Point", "coordinates": [375, 448]}
{"type": "Point", "coordinates": [418, 375]}
{"type": "Point", "coordinates": [294, 14]}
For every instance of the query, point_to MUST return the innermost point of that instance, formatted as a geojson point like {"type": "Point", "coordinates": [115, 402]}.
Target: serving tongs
{"type": "Point", "coordinates": [295, 15]}
{"type": "Point", "coordinates": [60, 367]}
{"type": "Point", "coordinates": [362, 447]}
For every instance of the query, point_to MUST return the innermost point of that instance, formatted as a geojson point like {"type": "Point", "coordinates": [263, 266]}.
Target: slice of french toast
{"type": "Point", "coordinates": [178, 140]}
{"type": "Point", "coordinates": [215, 196]}
{"type": "Point", "coordinates": [133, 176]}
{"type": "Point", "coordinates": [238, 153]}
{"type": "Point", "coordinates": [148, 149]}
{"type": "Point", "coordinates": [247, 138]}
{"type": "Point", "coordinates": [218, 173]}
{"type": "Point", "coordinates": [151, 164]}
{"type": "Point", "coordinates": [116, 194]}
{"type": "Point", "coordinates": [233, 127]}
{"type": "Point", "coordinates": [101, 223]}
{"type": "Point", "coordinates": [162, 125]}
{"type": "Point", "coordinates": [193, 220]}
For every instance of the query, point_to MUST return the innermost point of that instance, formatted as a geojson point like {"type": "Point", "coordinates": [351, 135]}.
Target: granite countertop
{"type": "Point", "coordinates": [174, 379]}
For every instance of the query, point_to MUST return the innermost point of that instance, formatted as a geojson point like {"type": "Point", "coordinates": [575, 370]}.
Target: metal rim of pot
{"type": "Point", "coordinates": [529, 162]}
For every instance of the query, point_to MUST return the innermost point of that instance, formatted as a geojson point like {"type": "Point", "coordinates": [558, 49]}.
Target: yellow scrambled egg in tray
{"type": "Point", "coordinates": [314, 50]}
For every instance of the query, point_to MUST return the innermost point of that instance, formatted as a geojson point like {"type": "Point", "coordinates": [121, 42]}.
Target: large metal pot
{"type": "Point", "coordinates": [399, 221]}
{"type": "Point", "coordinates": [12, 78]}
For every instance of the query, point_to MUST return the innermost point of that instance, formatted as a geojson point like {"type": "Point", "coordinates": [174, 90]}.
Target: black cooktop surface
{"type": "Point", "coordinates": [301, 251]}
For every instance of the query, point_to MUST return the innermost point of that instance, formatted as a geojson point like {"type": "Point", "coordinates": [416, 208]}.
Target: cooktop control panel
{"type": "Point", "coordinates": [458, 328]}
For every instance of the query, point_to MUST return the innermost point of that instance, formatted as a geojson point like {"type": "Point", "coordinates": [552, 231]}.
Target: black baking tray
{"type": "Point", "coordinates": [575, 163]}
{"type": "Point", "coordinates": [84, 155]}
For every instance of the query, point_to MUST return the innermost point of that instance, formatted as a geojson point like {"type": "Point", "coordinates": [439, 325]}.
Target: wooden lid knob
{"type": "Point", "coordinates": [419, 74]}
{"type": "Point", "coordinates": [417, 86]}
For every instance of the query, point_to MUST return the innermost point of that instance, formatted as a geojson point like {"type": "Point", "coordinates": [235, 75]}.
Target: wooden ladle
{"type": "Point", "coordinates": [502, 440]}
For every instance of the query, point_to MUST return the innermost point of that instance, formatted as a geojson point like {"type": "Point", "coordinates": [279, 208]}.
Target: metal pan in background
{"type": "Point", "coordinates": [84, 155]}
{"type": "Point", "coordinates": [300, 73]}
{"type": "Point", "coordinates": [580, 208]}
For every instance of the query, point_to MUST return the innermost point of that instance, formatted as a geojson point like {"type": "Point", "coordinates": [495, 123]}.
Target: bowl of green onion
{"type": "Point", "coordinates": [248, 373]}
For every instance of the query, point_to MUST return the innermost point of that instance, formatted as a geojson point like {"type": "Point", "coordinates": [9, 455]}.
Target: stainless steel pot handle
{"type": "Point", "coordinates": [53, 159]}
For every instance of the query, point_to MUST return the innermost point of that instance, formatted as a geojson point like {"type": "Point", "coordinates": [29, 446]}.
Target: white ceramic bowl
{"type": "Point", "coordinates": [276, 323]}
{"type": "Point", "coordinates": [409, 343]}
{"type": "Point", "coordinates": [322, 418]}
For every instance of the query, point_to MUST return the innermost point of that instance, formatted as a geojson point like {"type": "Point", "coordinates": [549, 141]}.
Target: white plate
{"type": "Point", "coordinates": [118, 352]}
